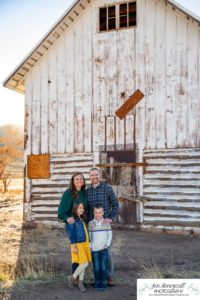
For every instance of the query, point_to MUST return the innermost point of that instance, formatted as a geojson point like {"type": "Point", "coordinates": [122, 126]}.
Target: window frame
{"type": "Point", "coordinates": [117, 16]}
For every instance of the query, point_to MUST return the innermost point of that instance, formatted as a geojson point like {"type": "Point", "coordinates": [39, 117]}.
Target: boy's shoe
{"type": "Point", "coordinates": [100, 289]}
{"type": "Point", "coordinates": [103, 287]}
{"type": "Point", "coordinates": [70, 279]}
{"type": "Point", "coordinates": [110, 282]}
{"type": "Point", "coordinates": [81, 286]}
{"type": "Point", "coordinates": [97, 285]}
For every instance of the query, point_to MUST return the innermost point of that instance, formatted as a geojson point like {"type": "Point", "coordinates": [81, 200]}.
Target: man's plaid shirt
{"type": "Point", "coordinates": [103, 194]}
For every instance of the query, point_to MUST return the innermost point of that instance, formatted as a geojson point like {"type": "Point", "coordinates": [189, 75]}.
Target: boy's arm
{"type": "Point", "coordinates": [90, 236]}
{"type": "Point", "coordinates": [89, 232]}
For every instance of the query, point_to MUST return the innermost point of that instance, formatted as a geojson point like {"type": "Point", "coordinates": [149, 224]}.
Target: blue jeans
{"type": "Point", "coordinates": [99, 259]}
{"type": "Point", "coordinates": [110, 264]}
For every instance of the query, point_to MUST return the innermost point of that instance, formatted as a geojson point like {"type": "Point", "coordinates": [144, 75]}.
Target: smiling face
{"type": "Point", "coordinates": [80, 210]}
{"type": "Point", "coordinates": [78, 181]}
{"type": "Point", "coordinates": [98, 213]}
{"type": "Point", "coordinates": [95, 177]}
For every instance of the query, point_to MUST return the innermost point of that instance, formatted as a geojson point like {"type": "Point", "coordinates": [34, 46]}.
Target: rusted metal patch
{"type": "Point", "coordinates": [127, 212]}
{"type": "Point", "coordinates": [126, 107]}
{"type": "Point", "coordinates": [38, 166]}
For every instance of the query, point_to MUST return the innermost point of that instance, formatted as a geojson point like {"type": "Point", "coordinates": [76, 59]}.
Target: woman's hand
{"type": "Point", "coordinates": [75, 249]}
{"type": "Point", "coordinates": [70, 220]}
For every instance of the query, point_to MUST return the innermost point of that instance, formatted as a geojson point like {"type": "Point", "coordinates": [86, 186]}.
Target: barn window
{"type": "Point", "coordinates": [117, 16]}
{"type": "Point", "coordinates": [127, 14]}
{"type": "Point", "coordinates": [107, 18]}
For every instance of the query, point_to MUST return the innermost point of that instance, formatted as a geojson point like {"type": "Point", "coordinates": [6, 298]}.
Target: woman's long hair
{"type": "Point", "coordinates": [72, 185]}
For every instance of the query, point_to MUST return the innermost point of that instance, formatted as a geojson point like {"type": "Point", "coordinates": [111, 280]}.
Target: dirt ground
{"type": "Point", "coordinates": [136, 255]}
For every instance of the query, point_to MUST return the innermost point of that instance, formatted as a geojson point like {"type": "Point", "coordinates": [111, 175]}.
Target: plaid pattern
{"type": "Point", "coordinates": [104, 195]}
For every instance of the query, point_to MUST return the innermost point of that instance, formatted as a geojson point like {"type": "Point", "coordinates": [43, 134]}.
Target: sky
{"type": "Point", "coordinates": [22, 24]}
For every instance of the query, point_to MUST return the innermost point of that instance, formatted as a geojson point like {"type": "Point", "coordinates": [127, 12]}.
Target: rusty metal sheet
{"type": "Point", "coordinates": [127, 212]}
{"type": "Point", "coordinates": [126, 107]}
{"type": "Point", "coordinates": [38, 166]}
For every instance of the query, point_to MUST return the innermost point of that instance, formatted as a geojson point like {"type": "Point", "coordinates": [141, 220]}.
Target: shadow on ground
{"type": "Point", "coordinates": [47, 252]}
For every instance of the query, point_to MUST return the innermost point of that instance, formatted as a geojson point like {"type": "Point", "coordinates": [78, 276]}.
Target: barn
{"type": "Point", "coordinates": [116, 84]}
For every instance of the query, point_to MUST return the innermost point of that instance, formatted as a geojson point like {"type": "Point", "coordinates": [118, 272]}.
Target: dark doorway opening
{"type": "Point", "coordinates": [122, 179]}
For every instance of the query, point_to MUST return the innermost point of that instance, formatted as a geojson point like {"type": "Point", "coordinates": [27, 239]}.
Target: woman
{"type": "Point", "coordinates": [75, 194]}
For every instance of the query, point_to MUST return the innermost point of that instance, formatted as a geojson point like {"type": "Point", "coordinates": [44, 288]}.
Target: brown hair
{"type": "Point", "coordinates": [75, 208]}
{"type": "Point", "coordinates": [97, 206]}
{"type": "Point", "coordinates": [72, 187]}
{"type": "Point", "coordinates": [94, 169]}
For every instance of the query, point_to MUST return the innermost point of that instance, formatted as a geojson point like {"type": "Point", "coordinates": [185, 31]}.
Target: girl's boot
{"type": "Point", "coordinates": [81, 286]}
{"type": "Point", "coordinates": [71, 281]}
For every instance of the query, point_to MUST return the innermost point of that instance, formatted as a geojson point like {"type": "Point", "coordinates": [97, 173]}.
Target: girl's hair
{"type": "Point", "coordinates": [72, 187]}
{"type": "Point", "coordinates": [75, 208]}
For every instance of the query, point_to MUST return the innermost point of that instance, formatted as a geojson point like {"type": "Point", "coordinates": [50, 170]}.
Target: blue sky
{"type": "Point", "coordinates": [22, 24]}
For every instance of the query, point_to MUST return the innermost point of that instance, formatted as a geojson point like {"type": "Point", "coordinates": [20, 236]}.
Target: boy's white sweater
{"type": "Point", "coordinates": [100, 235]}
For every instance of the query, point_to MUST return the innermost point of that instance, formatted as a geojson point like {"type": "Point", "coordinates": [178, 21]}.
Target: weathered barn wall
{"type": "Point", "coordinates": [172, 186]}
{"type": "Point", "coordinates": [46, 193]}
{"type": "Point", "coordinates": [75, 89]}
{"type": "Point", "coordinates": [78, 85]}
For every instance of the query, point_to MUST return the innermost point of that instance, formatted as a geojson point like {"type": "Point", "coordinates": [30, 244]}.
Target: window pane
{"type": "Point", "coordinates": [123, 9]}
{"type": "Point", "coordinates": [111, 23]}
{"type": "Point", "coordinates": [123, 22]}
{"type": "Point", "coordinates": [102, 18]}
{"type": "Point", "coordinates": [132, 14]}
{"type": "Point", "coordinates": [111, 11]}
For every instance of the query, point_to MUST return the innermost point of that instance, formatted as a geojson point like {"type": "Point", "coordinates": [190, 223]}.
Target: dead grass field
{"type": "Point", "coordinates": [34, 263]}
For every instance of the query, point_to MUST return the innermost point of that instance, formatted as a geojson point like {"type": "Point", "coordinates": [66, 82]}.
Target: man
{"type": "Point", "coordinates": [101, 193]}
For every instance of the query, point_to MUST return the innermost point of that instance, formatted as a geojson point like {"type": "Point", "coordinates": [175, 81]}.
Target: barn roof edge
{"type": "Point", "coordinates": [15, 80]}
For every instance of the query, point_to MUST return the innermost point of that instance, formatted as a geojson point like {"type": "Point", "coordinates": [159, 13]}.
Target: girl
{"type": "Point", "coordinates": [75, 194]}
{"type": "Point", "coordinates": [80, 251]}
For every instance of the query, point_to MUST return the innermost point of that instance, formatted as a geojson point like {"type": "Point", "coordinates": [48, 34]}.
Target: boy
{"type": "Point", "coordinates": [100, 234]}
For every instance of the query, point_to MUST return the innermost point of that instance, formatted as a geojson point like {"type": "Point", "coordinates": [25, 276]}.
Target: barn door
{"type": "Point", "coordinates": [116, 170]}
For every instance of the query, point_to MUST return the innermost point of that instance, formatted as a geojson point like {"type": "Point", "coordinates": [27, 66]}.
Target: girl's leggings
{"type": "Point", "coordinates": [80, 271]}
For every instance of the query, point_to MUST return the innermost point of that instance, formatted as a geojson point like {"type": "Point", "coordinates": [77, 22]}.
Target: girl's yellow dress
{"type": "Point", "coordinates": [84, 255]}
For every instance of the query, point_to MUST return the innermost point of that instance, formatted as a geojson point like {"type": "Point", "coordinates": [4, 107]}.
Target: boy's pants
{"type": "Point", "coordinates": [100, 261]}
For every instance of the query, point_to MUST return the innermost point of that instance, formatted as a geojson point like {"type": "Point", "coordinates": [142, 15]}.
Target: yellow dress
{"type": "Point", "coordinates": [84, 255]}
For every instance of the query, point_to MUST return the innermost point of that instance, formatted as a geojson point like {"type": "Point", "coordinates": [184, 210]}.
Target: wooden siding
{"type": "Point", "coordinates": [72, 94]}
{"type": "Point", "coordinates": [172, 186]}
{"type": "Point", "coordinates": [87, 75]}
{"type": "Point", "coordinates": [46, 193]}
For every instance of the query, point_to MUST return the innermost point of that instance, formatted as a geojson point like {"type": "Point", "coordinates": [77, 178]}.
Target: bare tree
{"type": "Point", "coordinates": [11, 151]}
{"type": "Point", "coordinates": [6, 179]}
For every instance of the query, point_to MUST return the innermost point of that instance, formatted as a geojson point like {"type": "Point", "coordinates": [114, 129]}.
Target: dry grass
{"type": "Point", "coordinates": [11, 239]}
{"type": "Point", "coordinates": [31, 267]}
{"type": "Point", "coordinates": [151, 272]}
{"type": "Point", "coordinates": [25, 254]}
{"type": "Point", "coordinates": [155, 272]}
{"type": "Point", "coordinates": [10, 234]}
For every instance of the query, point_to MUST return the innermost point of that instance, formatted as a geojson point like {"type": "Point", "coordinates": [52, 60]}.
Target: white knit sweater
{"type": "Point", "coordinates": [100, 234]}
